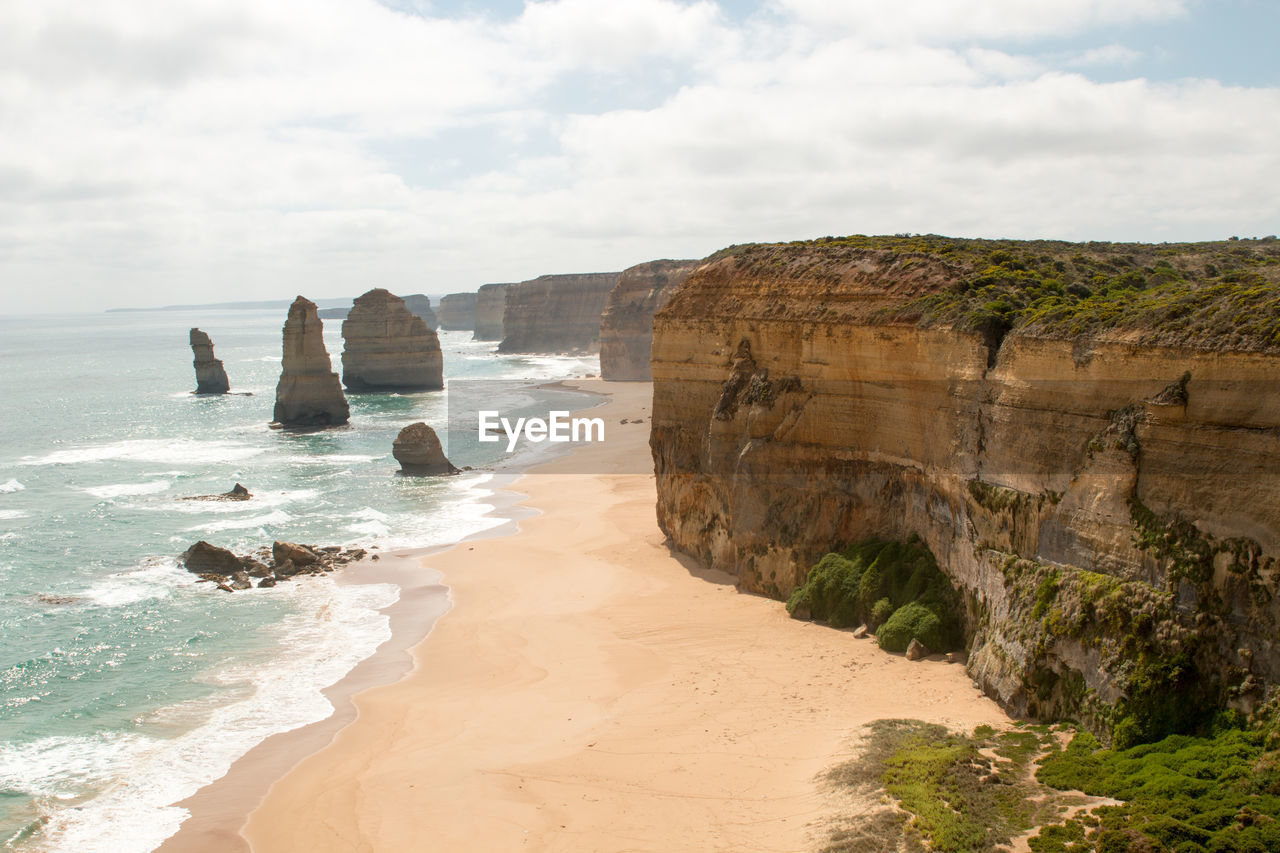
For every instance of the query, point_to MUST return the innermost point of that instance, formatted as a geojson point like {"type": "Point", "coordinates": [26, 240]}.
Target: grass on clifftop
{"type": "Point", "coordinates": [896, 587]}
{"type": "Point", "coordinates": [1215, 295]}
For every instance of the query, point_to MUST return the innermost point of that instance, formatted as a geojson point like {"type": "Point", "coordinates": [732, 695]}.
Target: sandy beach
{"type": "Point", "coordinates": [590, 690]}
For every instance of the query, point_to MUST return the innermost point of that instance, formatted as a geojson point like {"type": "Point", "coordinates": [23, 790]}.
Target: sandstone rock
{"type": "Point", "coordinates": [240, 580]}
{"type": "Point", "coordinates": [203, 558]}
{"type": "Point", "coordinates": [417, 449]}
{"type": "Point", "coordinates": [285, 570]}
{"type": "Point", "coordinates": [255, 568]}
{"type": "Point", "coordinates": [457, 312]}
{"type": "Point", "coordinates": [802, 612]}
{"type": "Point", "coordinates": [308, 393]}
{"type": "Point", "coordinates": [861, 632]}
{"type": "Point", "coordinates": [555, 313]}
{"type": "Point", "coordinates": [626, 327]}
{"type": "Point", "coordinates": [420, 306]}
{"type": "Point", "coordinates": [237, 493]}
{"type": "Point", "coordinates": [491, 306]}
{"type": "Point", "coordinates": [266, 583]}
{"type": "Point", "coordinates": [957, 657]}
{"type": "Point", "coordinates": [211, 378]}
{"type": "Point", "coordinates": [299, 555]}
{"type": "Point", "coordinates": [388, 348]}
{"type": "Point", "coordinates": [917, 650]}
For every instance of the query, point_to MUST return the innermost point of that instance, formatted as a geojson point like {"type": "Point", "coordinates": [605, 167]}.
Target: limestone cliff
{"type": "Point", "coordinates": [388, 348]}
{"type": "Point", "coordinates": [308, 393]}
{"type": "Point", "coordinates": [1087, 437]}
{"type": "Point", "coordinates": [211, 378]}
{"type": "Point", "coordinates": [458, 312]}
{"type": "Point", "coordinates": [626, 328]}
{"type": "Point", "coordinates": [420, 304]}
{"type": "Point", "coordinates": [555, 313]}
{"type": "Point", "coordinates": [491, 305]}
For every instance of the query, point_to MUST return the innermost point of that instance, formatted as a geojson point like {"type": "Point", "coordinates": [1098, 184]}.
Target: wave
{"type": "Point", "coordinates": [277, 517]}
{"type": "Point", "coordinates": [118, 490]}
{"type": "Point", "coordinates": [11, 514]}
{"type": "Point", "coordinates": [155, 579]}
{"type": "Point", "coordinates": [164, 451]}
{"type": "Point", "coordinates": [11, 486]}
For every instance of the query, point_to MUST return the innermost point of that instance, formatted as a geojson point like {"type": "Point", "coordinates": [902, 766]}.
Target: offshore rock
{"type": "Point", "coordinates": [211, 377]}
{"type": "Point", "coordinates": [626, 328]}
{"type": "Point", "coordinates": [386, 347]}
{"type": "Point", "coordinates": [417, 449]}
{"type": "Point", "coordinates": [308, 393]}
{"type": "Point", "coordinates": [203, 558]}
{"type": "Point", "coordinates": [420, 305]}
{"type": "Point", "coordinates": [457, 312]}
{"type": "Point", "coordinates": [556, 313]}
{"type": "Point", "coordinates": [491, 306]}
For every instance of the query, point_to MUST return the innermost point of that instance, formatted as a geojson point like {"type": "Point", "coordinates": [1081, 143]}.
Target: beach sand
{"type": "Point", "coordinates": [590, 690]}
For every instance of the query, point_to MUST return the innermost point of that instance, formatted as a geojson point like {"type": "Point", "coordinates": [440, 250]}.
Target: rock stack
{"type": "Point", "coordinates": [211, 378]}
{"type": "Point", "coordinates": [386, 347]}
{"type": "Point", "coordinates": [420, 304]}
{"type": "Point", "coordinates": [418, 450]}
{"type": "Point", "coordinates": [491, 304]}
{"type": "Point", "coordinates": [626, 329]}
{"type": "Point", "coordinates": [458, 312]}
{"type": "Point", "coordinates": [308, 394]}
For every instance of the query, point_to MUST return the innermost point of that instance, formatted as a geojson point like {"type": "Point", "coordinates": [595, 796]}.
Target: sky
{"type": "Point", "coordinates": [156, 152]}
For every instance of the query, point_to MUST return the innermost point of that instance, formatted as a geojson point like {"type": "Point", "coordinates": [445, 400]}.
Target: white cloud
{"type": "Point", "coordinates": [1112, 54]}
{"type": "Point", "coordinates": [154, 152]}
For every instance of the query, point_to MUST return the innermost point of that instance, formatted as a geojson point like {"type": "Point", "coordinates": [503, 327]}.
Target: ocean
{"type": "Point", "coordinates": [126, 684]}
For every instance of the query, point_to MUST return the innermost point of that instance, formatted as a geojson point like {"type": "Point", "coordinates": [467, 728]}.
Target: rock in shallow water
{"type": "Point", "coordinates": [211, 377]}
{"type": "Point", "coordinates": [308, 394]}
{"type": "Point", "coordinates": [417, 449]}
{"type": "Point", "coordinates": [203, 558]}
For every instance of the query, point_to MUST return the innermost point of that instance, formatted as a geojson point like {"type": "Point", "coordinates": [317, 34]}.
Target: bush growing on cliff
{"type": "Point", "coordinates": [873, 582]}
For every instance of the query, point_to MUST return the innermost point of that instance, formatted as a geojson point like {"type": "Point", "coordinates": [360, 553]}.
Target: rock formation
{"type": "Point", "coordinates": [420, 305]}
{"type": "Point", "coordinates": [1087, 437]}
{"type": "Point", "coordinates": [211, 378]}
{"type": "Point", "coordinates": [626, 328]}
{"type": "Point", "coordinates": [458, 312]}
{"type": "Point", "coordinates": [388, 348]}
{"type": "Point", "coordinates": [308, 393]}
{"type": "Point", "coordinates": [417, 449]}
{"type": "Point", "coordinates": [555, 313]}
{"type": "Point", "coordinates": [491, 305]}
{"type": "Point", "coordinates": [237, 493]}
{"type": "Point", "coordinates": [284, 560]}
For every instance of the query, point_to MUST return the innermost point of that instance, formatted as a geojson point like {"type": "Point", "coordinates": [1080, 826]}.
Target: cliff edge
{"type": "Point", "coordinates": [555, 313]}
{"type": "Point", "coordinates": [626, 328]}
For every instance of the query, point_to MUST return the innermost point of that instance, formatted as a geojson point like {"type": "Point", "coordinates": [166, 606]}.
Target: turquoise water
{"type": "Point", "coordinates": [125, 685]}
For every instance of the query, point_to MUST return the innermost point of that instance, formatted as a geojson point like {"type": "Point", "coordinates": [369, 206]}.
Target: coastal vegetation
{"type": "Point", "coordinates": [895, 588]}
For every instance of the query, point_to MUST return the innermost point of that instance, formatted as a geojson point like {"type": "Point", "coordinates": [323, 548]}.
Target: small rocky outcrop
{"type": "Point", "coordinates": [211, 377]}
{"type": "Point", "coordinates": [386, 347]}
{"type": "Point", "coordinates": [308, 393]}
{"type": "Point", "coordinates": [626, 328]}
{"type": "Point", "coordinates": [237, 493]}
{"type": "Point", "coordinates": [555, 313]}
{"type": "Point", "coordinates": [417, 449]}
{"type": "Point", "coordinates": [229, 571]}
{"type": "Point", "coordinates": [457, 312]}
{"type": "Point", "coordinates": [491, 306]}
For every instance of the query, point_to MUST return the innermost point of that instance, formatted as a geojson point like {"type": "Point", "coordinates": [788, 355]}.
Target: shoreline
{"type": "Point", "coordinates": [592, 690]}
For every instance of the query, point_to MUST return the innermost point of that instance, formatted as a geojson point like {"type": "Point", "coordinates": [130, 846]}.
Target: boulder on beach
{"type": "Point", "coordinates": [417, 449]}
{"type": "Point", "coordinates": [211, 377]}
{"type": "Point", "coordinates": [308, 394]}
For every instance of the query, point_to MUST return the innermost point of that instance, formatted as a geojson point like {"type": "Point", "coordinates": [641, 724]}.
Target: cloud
{"type": "Point", "coordinates": [156, 152]}
{"type": "Point", "coordinates": [1112, 54]}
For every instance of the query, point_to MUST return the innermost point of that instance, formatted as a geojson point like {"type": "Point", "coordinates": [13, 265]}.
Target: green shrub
{"type": "Point", "coordinates": [881, 612]}
{"type": "Point", "coordinates": [914, 621]}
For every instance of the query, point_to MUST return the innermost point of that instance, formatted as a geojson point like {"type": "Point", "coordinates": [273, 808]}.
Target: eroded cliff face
{"type": "Point", "coordinates": [491, 305]}
{"type": "Point", "coordinates": [386, 347]}
{"type": "Point", "coordinates": [457, 312]}
{"type": "Point", "coordinates": [211, 377]}
{"type": "Point", "coordinates": [555, 313]}
{"type": "Point", "coordinates": [308, 393]}
{"type": "Point", "coordinates": [1104, 503]}
{"type": "Point", "coordinates": [626, 328]}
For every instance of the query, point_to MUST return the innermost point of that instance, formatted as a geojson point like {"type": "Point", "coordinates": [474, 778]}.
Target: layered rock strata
{"type": "Point", "coordinates": [458, 312]}
{"type": "Point", "coordinates": [417, 449]}
{"type": "Point", "coordinates": [388, 348]}
{"type": "Point", "coordinates": [626, 328]}
{"type": "Point", "coordinates": [555, 313]}
{"type": "Point", "coordinates": [420, 305]}
{"type": "Point", "coordinates": [308, 393]}
{"type": "Point", "coordinates": [491, 305]}
{"type": "Point", "coordinates": [1101, 483]}
{"type": "Point", "coordinates": [211, 378]}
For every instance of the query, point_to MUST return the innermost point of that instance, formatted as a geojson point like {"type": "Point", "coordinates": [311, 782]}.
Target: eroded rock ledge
{"type": "Point", "coordinates": [626, 328]}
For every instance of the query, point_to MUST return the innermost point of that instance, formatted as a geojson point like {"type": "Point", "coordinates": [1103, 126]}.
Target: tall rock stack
{"type": "Point", "coordinates": [386, 347]}
{"type": "Point", "coordinates": [626, 329]}
{"type": "Point", "coordinates": [420, 304]}
{"type": "Point", "coordinates": [308, 394]}
{"type": "Point", "coordinates": [458, 312]}
{"type": "Point", "coordinates": [491, 305]}
{"type": "Point", "coordinates": [211, 378]}
{"type": "Point", "coordinates": [556, 313]}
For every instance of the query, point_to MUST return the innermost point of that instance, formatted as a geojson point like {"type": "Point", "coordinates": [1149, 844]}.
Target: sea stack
{"type": "Point", "coordinates": [420, 304]}
{"type": "Point", "coordinates": [626, 329]}
{"type": "Point", "coordinates": [417, 449]}
{"type": "Point", "coordinates": [556, 313]}
{"type": "Point", "coordinates": [308, 394]}
{"type": "Point", "coordinates": [491, 304]}
{"type": "Point", "coordinates": [386, 347]}
{"type": "Point", "coordinates": [458, 312]}
{"type": "Point", "coordinates": [211, 378]}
